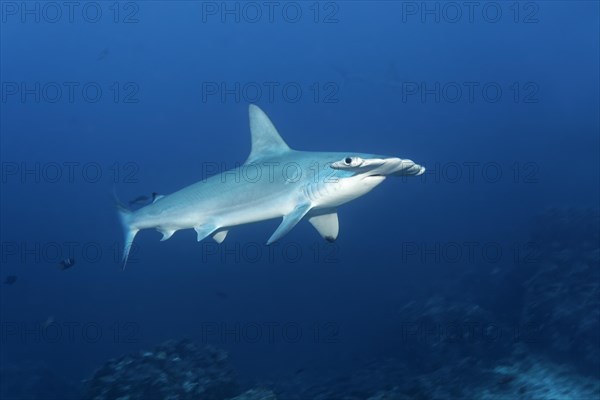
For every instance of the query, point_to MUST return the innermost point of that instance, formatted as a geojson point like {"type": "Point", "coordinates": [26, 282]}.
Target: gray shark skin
{"type": "Point", "coordinates": [274, 182]}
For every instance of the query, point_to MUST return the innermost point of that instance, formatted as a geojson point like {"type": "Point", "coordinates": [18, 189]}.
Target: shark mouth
{"type": "Point", "coordinates": [380, 167]}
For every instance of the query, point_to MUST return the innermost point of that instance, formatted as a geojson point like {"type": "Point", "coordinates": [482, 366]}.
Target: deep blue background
{"type": "Point", "coordinates": [168, 54]}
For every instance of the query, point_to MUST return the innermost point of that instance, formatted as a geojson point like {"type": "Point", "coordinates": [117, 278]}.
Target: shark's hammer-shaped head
{"type": "Point", "coordinates": [370, 166]}
{"type": "Point", "coordinates": [347, 176]}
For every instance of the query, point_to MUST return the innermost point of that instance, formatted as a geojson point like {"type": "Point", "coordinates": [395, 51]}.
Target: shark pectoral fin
{"type": "Point", "coordinates": [220, 236]}
{"type": "Point", "coordinates": [289, 221]}
{"type": "Point", "coordinates": [167, 233]}
{"type": "Point", "coordinates": [326, 223]}
{"type": "Point", "coordinates": [204, 231]}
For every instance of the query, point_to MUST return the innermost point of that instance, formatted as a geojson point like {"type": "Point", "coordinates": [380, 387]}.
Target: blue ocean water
{"type": "Point", "coordinates": [479, 278]}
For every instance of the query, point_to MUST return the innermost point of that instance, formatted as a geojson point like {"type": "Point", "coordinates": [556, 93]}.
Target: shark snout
{"type": "Point", "coordinates": [397, 167]}
{"type": "Point", "coordinates": [379, 166]}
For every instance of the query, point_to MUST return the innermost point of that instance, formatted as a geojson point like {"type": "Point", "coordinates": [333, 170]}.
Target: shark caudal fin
{"type": "Point", "coordinates": [129, 233]}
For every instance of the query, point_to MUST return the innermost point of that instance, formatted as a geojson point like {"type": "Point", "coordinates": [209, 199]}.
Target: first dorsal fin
{"type": "Point", "coordinates": [265, 138]}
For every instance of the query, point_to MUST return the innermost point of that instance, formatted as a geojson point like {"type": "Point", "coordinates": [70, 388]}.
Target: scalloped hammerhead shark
{"type": "Point", "coordinates": [275, 181]}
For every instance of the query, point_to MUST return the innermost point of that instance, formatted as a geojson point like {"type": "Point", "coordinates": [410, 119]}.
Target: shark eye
{"type": "Point", "coordinates": [348, 162]}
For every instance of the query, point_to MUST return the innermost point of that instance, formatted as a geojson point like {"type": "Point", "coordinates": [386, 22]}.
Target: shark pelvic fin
{"type": "Point", "coordinates": [265, 138]}
{"type": "Point", "coordinates": [289, 221]}
{"type": "Point", "coordinates": [220, 236]}
{"type": "Point", "coordinates": [204, 231]}
{"type": "Point", "coordinates": [326, 223]}
{"type": "Point", "coordinates": [167, 233]}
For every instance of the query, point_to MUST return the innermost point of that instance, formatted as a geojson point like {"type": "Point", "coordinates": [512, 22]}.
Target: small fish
{"type": "Point", "coordinates": [222, 295]}
{"type": "Point", "coordinates": [67, 263]}
{"type": "Point", "coordinates": [299, 371]}
{"type": "Point", "coordinates": [10, 279]}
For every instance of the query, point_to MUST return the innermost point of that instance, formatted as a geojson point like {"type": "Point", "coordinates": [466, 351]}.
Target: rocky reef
{"type": "Point", "coordinates": [529, 379]}
{"type": "Point", "coordinates": [256, 394]}
{"type": "Point", "coordinates": [437, 330]}
{"type": "Point", "coordinates": [562, 291]}
{"type": "Point", "coordinates": [175, 370]}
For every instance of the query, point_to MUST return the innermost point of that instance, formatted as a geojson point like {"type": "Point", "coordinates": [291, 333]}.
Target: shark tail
{"type": "Point", "coordinates": [126, 216]}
